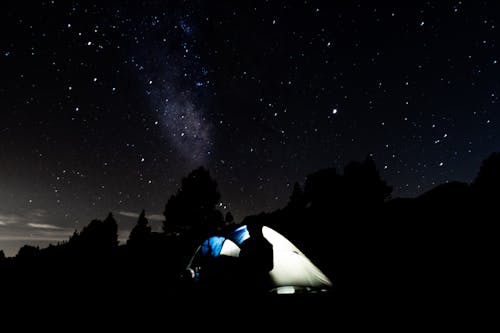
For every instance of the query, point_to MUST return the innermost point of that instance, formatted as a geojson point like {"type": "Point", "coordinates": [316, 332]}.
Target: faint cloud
{"type": "Point", "coordinates": [44, 226]}
{"type": "Point", "coordinates": [30, 226]}
{"type": "Point", "coordinates": [38, 213]}
{"type": "Point", "coordinates": [152, 217]}
{"type": "Point", "coordinates": [155, 217]}
{"type": "Point", "coordinates": [6, 219]}
{"type": "Point", "coordinates": [128, 214]}
{"type": "Point", "coordinates": [31, 216]}
{"type": "Point", "coordinates": [57, 237]}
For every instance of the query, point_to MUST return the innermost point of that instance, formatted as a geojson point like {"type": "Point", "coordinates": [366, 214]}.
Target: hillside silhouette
{"type": "Point", "coordinates": [439, 245]}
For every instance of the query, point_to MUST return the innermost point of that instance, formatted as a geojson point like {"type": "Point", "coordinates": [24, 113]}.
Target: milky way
{"type": "Point", "coordinates": [186, 128]}
{"type": "Point", "coordinates": [175, 82]}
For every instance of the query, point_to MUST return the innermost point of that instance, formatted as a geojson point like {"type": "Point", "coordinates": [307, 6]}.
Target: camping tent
{"type": "Point", "coordinates": [292, 271]}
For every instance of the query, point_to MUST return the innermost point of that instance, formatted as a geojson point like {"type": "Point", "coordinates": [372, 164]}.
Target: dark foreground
{"type": "Point", "coordinates": [151, 310]}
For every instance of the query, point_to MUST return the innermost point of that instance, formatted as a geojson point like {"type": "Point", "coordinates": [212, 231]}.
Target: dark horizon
{"type": "Point", "coordinates": [338, 247]}
{"type": "Point", "coordinates": [156, 221]}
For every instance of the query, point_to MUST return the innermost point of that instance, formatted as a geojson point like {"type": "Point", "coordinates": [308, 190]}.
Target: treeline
{"type": "Point", "coordinates": [345, 222]}
{"type": "Point", "coordinates": [93, 260]}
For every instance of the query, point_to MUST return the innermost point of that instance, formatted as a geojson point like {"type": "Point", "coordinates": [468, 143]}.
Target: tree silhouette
{"type": "Point", "coordinates": [297, 199]}
{"type": "Point", "coordinates": [323, 187]}
{"type": "Point", "coordinates": [97, 237]}
{"type": "Point", "coordinates": [363, 182]}
{"type": "Point", "coordinates": [110, 231]}
{"type": "Point", "coordinates": [343, 222]}
{"type": "Point", "coordinates": [192, 209]}
{"type": "Point", "coordinates": [229, 218]}
{"type": "Point", "coordinates": [28, 253]}
{"type": "Point", "coordinates": [73, 238]}
{"type": "Point", "coordinates": [141, 233]}
{"type": "Point", "coordinates": [487, 183]}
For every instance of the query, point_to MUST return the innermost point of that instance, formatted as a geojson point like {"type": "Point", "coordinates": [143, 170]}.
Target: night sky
{"type": "Point", "coordinates": [106, 106]}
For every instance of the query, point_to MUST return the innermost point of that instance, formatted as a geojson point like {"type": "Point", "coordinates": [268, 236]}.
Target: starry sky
{"type": "Point", "coordinates": [105, 106]}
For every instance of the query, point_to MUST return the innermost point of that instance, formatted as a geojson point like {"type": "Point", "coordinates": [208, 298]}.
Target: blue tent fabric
{"type": "Point", "coordinates": [292, 269]}
{"type": "Point", "coordinates": [212, 246]}
{"type": "Point", "coordinates": [240, 235]}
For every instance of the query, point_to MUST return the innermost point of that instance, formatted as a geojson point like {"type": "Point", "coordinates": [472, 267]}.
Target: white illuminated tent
{"type": "Point", "coordinates": [292, 271]}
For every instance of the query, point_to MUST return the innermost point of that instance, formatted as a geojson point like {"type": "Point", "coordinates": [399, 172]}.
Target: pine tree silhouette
{"type": "Point", "coordinates": [141, 233]}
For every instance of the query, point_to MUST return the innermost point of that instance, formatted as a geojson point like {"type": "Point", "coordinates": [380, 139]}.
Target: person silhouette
{"type": "Point", "coordinates": [256, 258]}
